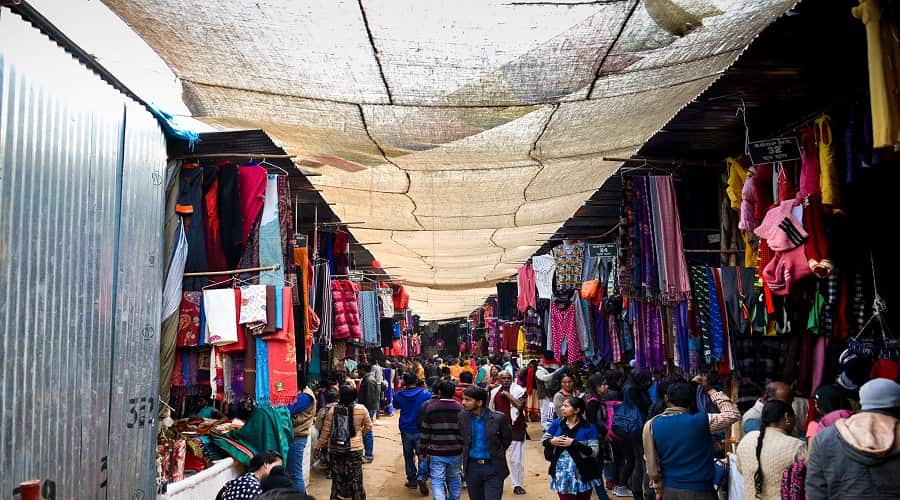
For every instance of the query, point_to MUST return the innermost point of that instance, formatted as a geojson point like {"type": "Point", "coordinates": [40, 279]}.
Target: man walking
{"type": "Point", "coordinates": [485, 436]}
{"type": "Point", "coordinates": [465, 381]}
{"type": "Point", "coordinates": [678, 444]}
{"type": "Point", "coordinates": [370, 397]}
{"type": "Point", "coordinates": [859, 457]}
{"type": "Point", "coordinates": [441, 443]}
{"type": "Point", "coordinates": [409, 401]}
{"type": "Point", "coordinates": [509, 399]}
{"type": "Point", "coordinates": [303, 413]}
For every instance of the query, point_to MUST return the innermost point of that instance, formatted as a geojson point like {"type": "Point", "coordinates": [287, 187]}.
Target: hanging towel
{"type": "Point", "coordinates": [282, 357]}
{"type": "Point", "coordinates": [253, 304]}
{"type": "Point", "coordinates": [219, 313]}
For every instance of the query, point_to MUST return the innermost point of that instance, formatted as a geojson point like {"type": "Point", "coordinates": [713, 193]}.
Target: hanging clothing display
{"type": "Point", "coordinates": [544, 267]}
{"type": "Point", "coordinates": [347, 324]}
{"type": "Point", "coordinates": [220, 314]}
{"type": "Point", "coordinates": [368, 311]}
{"type": "Point", "coordinates": [506, 301]}
{"type": "Point", "coordinates": [562, 319]}
{"type": "Point", "coordinates": [884, 72]}
{"type": "Point", "coordinates": [527, 291]}
{"type": "Point", "coordinates": [569, 258]}
{"type": "Point", "coordinates": [252, 180]}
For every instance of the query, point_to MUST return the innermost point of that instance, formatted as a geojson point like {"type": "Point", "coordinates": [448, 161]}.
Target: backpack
{"type": "Point", "coordinates": [339, 440]}
{"type": "Point", "coordinates": [626, 420]}
{"type": "Point", "coordinates": [609, 418]}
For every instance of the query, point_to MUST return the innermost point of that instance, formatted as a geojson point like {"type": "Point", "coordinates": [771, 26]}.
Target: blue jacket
{"type": "Point", "coordinates": [409, 401]}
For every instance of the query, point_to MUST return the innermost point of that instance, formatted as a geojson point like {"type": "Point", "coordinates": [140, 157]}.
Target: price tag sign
{"type": "Point", "coordinates": [772, 150]}
{"type": "Point", "coordinates": [603, 250]}
{"type": "Point", "coordinates": [354, 275]}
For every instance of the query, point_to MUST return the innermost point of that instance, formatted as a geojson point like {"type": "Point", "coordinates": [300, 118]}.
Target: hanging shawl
{"type": "Point", "coordinates": [700, 284]}
{"type": "Point", "coordinates": [270, 247]}
{"type": "Point", "coordinates": [717, 332]}
{"type": "Point", "coordinates": [625, 269]}
{"type": "Point", "coordinates": [676, 284]}
{"type": "Point", "coordinates": [657, 232]}
{"type": "Point", "coordinates": [249, 388]}
{"type": "Point", "coordinates": [601, 334]}
{"type": "Point", "coordinates": [262, 372]}
{"type": "Point", "coordinates": [682, 359]}
{"type": "Point", "coordinates": [324, 304]}
{"type": "Point", "coordinates": [655, 347]}
{"type": "Point", "coordinates": [282, 357]}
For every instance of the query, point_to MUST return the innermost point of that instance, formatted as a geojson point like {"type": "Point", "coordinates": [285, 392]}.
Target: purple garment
{"type": "Point", "coordinates": [681, 332]}
{"type": "Point", "coordinates": [636, 313]}
{"type": "Point", "coordinates": [655, 349]}
{"type": "Point", "coordinates": [601, 334]}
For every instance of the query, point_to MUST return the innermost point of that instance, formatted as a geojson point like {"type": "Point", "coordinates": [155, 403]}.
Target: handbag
{"type": "Point", "coordinates": [590, 289]}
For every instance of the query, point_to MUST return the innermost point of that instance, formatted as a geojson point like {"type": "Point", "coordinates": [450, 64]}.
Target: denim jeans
{"type": "Point", "coordinates": [295, 463]}
{"type": "Point", "coordinates": [446, 469]}
{"type": "Point", "coordinates": [424, 469]}
{"type": "Point", "coordinates": [410, 451]}
{"type": "Point", "coordinates": [369, 439]}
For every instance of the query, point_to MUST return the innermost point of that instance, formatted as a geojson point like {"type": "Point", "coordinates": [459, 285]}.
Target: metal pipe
{"type": "Point", "coordinates": [236, 271]}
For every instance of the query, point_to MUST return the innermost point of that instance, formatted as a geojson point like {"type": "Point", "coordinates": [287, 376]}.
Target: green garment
{"type": "Point", "coordinates": [267, 429]}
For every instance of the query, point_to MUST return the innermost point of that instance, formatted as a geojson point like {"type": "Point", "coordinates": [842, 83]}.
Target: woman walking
{"type": "Point", "coordinates": [342, 432]}
{"type": "Point", "coordinates": [567, 390]}
{"type": "Point", "coordinates": [572, 445]}
{"type": "Point", "coordinates": [596, 414]}
{"type": "Point", "coordinates": [763, 455]}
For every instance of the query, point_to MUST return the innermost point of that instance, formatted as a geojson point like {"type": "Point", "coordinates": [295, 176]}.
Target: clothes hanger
{"type": "Point", "coordinates": [264, 163]}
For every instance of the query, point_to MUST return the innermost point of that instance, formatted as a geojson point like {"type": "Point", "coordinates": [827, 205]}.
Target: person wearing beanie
{"type": "Point", "coordinates": [859, 457]}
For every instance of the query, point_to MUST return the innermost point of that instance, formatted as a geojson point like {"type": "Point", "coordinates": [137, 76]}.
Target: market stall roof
{"type": "Point", "coordinates": [457, 133]}
{"type": "Point", "coordinates": [786, 78]}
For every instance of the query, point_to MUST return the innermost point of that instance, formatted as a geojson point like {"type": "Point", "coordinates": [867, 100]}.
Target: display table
{"type": "Point", "coordinates": [204, 484]}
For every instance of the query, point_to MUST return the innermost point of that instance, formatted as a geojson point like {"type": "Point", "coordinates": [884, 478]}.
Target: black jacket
{"type": "Point", "coordinates": [369, 392]}
{"type": "Point", "coordinates": [499, 437]}
{"type": "Point", "coordinates": [581, 452]}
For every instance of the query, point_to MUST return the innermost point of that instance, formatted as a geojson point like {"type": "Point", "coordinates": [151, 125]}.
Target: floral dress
{"type": "Point", "coordinates": [567, 480]}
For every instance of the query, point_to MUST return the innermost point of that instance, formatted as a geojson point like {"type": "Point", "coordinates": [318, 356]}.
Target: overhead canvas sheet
{"type": "Point", "coordinates": [450, 129]}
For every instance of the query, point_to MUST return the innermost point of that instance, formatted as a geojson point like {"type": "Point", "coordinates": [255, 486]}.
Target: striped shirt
{"type": "Point", "coordinates": [440, 429]}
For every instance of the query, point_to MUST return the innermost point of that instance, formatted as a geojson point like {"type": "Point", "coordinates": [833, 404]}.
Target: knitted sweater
{"type": "Point", "coordinates": [439, 428]}
{"type": "Point", "coordinates": [778, 452]}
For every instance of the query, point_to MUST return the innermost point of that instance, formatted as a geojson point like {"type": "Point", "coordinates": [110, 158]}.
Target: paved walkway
{"type": "Point", "coordinates": [385, 477]}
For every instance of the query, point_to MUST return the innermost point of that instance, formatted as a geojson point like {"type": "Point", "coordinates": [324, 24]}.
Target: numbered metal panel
{"type": "Point", "coordinates": [80, 280]}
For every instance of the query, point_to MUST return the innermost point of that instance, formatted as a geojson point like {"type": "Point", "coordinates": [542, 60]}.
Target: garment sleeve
{"type": "Point", "coordinates": [650, 456]}
{"type": "Point", "coordinates": [590, 447]}
{"type": "Point", "coordinates": [364, 417]}
{"type": "Point", "coordinates": [728, 412]}
{"type": "Point", "coordinates": [816, 484]}
{"type": "Point", "coordinates": [326, 430]}
{"type": "Point", "coordinates": [558, 399]}
{"type": "Point", "coordinates": [505, 433]}
{"type": "Point", "coordinates": [303, 402]}
{"type": "Point", "coordinates": [424, 429]}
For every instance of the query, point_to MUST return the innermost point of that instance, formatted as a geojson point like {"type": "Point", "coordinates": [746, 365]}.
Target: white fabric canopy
{"type": "Point", "coordinates": [456, 131]}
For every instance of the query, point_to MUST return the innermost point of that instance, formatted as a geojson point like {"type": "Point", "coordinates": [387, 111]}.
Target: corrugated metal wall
{"type": "Point", "coordinates": [80, 275]}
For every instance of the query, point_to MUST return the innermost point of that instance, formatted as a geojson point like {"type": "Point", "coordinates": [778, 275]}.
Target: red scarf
{"type": "Point", "coordinates": [283, 357]}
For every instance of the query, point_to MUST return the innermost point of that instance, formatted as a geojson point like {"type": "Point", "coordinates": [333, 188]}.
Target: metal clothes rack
{"type": "Point", "coordinates": [236, 271]}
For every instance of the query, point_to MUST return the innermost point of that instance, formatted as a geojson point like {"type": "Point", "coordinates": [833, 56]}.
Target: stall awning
{"type": "Point", "coordinates": [458, 133]}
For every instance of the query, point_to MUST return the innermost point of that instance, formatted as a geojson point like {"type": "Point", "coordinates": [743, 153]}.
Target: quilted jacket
{"type": "Point", "coordinates": [346, 310]}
